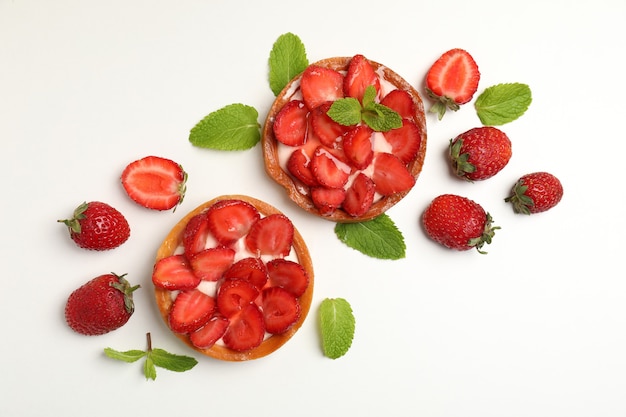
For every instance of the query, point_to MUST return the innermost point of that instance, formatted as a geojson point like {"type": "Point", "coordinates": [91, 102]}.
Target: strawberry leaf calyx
{"type": "Point", "coordinates": [123, 286]}
{"type": "Point", "coordinates": [441, 104]}
{"type": "Point", "coordinates": [79, 214]}
{"type": "Point", "coordinates": [520, 201]}
{"type": "Point", "coordinates": [486, 237]}
{"type": "Point", "coordinates": [348, 111]}
{"type": "Point", "coordinates": [460, 162]}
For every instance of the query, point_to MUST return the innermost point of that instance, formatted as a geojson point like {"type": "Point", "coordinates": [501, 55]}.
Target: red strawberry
{"type": "Point", "coordinates": [358, 147]}
{"type": "Point", "coordinates": [328, 170]}
{"type": "Point", "coordinates": [230, 220]}
{"type": "Point", "coordinates": [327, 200]}
{"type": "Point", "coordinates": [250, 269]}
{"type": "Point", "coordinates": [280, 309]}
{"type": "Point", "coordinates": [191, 310]}
{"type": "Point", "coordinates": [458, 223]}
{"type": "Point", "coordinates": [272, 235]}
{"type": "Point", "coordinates": [359, 196]}
{"type": "Point", "coordinates": [206, 336]}
{"type": "Point", "coordinates": [324, 128]}
{"type": "Point", "coordinates": [299, 166]}
{"type": "Point", "coordinates": [480, 153]}
{"type": "Point", "coordinates": [210, 264]}
{"type": "Point", "coordinates": [535, 193]}
{"type": "Point", "coordinates": [401, 102]}
{"type": "Point", "coordinates": [155, 183]}
{"type": "Point", "coordinates": [97, 226]}
{"type": "Point", "coordinates": [290, 125]}
{"type": "Point", "coordinates": [234, 295]}
{"type": "Point", "coordinates": [174, 272]}
{"type": "Point", "coordinates": [452, 81]}
{"type": "Point", "coordinates": [246, 330]}
{"type": "Point", "coordinates": [101, 305]}
{"type": "Point", "coordinates": [405, 141]}
{"type": "Point", "coordinates": [360, 75]}
{"type": "Point", "coordinates": [289, 275]}
{"type": "Point", "coordinates": [391, 175]}
{"type": "Point", "coordinates": [319, 85]}
{"type": "Point", "coordinates": [196, 233]}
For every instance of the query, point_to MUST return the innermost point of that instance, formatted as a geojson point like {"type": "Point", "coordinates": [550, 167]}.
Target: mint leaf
{"type": "Point", "coordinates": [149, 369]}
{"type": "Point", "coordinates": [345, 111]}
{"type": "Point", "coordinates": [503, 103]}
{"type": "Point", "coordinates": [287, 59]}
{"type": "Point", "coordinates": [377, 238]}
{"type": "Point", "coordinates": [231, 128]}
{"type": "Point", "coordinates": [381, 118]}
{"type": "Point", "coordinates": [128, 356]}
{"type": "Point", "coordinates": [337, 325]}
{"type": "Point", "coordinates": [369, 95]}
{"type": "Point", "coordinates": [348, 111]}
{"type": "Point", "coordinates": [172, 362]}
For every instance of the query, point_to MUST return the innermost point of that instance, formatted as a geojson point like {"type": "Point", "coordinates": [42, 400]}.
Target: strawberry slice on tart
{"type": "Point", "coordinates": [246, 285]}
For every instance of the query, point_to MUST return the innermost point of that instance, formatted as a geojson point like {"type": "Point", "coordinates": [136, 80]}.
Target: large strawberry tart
{"type": "Point", "coordinates": [234, 279]}
{"type": "Point", "coordinates": [344, 171]}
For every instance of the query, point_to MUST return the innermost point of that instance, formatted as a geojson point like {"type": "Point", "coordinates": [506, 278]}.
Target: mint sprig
{"type": "Point", "coordinates": [287, 59]}
{"type": "Point", "coordinates": [349, 111]}
{"type": "Point", "coordinates": [377, 238]}
{"type": "Point", "coordinates": [154, 358]}
{"type": "Point", "coordinates": [503, 103]}
{"type": "Point", "coordinates": [234, 127]}
{"type": "Point", "coordinates": [337, 325]}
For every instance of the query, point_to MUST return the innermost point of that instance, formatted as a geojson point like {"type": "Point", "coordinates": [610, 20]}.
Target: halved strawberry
{"type": "Point", "coordinates": [250, 269]}
{"type": "Point", "coordinates": [290, 124]}
{"type": "Point", "coordinates": [174, 273]}
{"type": "Point", "coordinates": [319, 85]}
{"type": "Point", "coordinates": [360, 75]}
{"type": "Point", "coordinates": [299, 166]}
{"type": "Point", "coordinates": [229, 220]}
{"type": "Point", "coordinates": [358, 147]}
{"type": "Point", "coordinates": [401, 102]}
{"type": "Point", "coordinates": [155, 183]}
{"type": "Point", "coordinates": [196, 233]}
{"type": "Point", "coordinates": [246, 330]}
{"type": "Point", "coordinates": [190, 311]}
{"type": "Point", "coordinates": [405, 141]}
{"type": "Point", "coordinates": [289, 275]}
{"type": "Point", "coordinates": [327, 200]}
{"type": "Point", "coordinates": [281, 309]}
{"type": "Point", "coordinates": [324, 128]}
{"type": "Point", "coordinates": [359, 196]}
{"type": "Point", "coordinates": [391, 175]}
{"type": "Point", "coordinates": [328, 170]}
{"type": "Point", "coordinates": [206, 336]}
{"type": "Point", "coordinates": [233, 295]}
{"type": "Point", "coordinates": [210, 264]}
{"type": "Point", "coordinates": [272, 235]}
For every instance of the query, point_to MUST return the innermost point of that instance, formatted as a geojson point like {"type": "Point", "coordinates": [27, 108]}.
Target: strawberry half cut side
{"type": "Point", "coordinates": [190, 311]}
{"type": "Point", "coordinates": [280, 309]}
{"type": "Point", "coordinates": [210, 264]}
{"type": "Point", "coordinates": [234, 295]}
{"type": "Point", "coordinates": [173, 273]}
{"type": "Point", "coordinates": [319, 85]}
{"type": "Point", "coordinates": [290, 125]}
{"type": "Point", "coordinates": [288, 275]}
{"type": "Point", "coordinates": [246, 330]}
{"type": "Point", "coordinates": [206, 336]}
{"type": "Point", "coordinates": [272, 235]}
{"type": "Point", "coordinates": [249, 269]}
{"type": "Point", "coordinates": [230, 220]}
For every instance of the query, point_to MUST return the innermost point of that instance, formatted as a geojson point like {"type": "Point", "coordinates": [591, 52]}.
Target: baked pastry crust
{"type": "Point", "coordinates": [293, 187]}
{"type": "Point", "coordinates": [164, 300]}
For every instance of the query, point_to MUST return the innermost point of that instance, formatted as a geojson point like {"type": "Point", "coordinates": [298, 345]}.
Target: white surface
{"type": "Point", "coordinates": [535, 328]}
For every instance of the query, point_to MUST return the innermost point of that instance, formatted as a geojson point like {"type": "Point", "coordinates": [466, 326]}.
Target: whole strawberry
{"type": "Point", "coordinates": [480, 153]}
{"type": "Point", "coordinates": [97, 226]}
{"type": "Point", "coordinates": [101, 305]}
{"type": "Point", "coordinates": [458, 223]}
{"type": "Point", "coordinates": [535, 193]}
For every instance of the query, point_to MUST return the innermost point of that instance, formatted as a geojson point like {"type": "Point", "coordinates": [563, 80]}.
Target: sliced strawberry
{"type": "Point", "coordinates": [210, 264]}
{"type": "Point", "coordinates": [246, 330]}
{"type": "Point", "coordinates": [319, 84]}
{"type": "Point", "coordinates": [327, 200]}
{"type": "Point", "coordinates": [359, 196]}
{"type": "Point", "coordinates": [233, 295]}
{"type": "Point", "coordinates": [360, 75]}
{"type": "Point", "coordinates": [358, 147]}
{"type": "Point", "coordinates": [401, 102]}
{"type": "Point", "coordinates": [328, 170]}
{"type": "Point", "coordinates": [190, 311]}
{"type": "Point", "coordinates": [289, 275]}
{"type": "Point", "coordinates": [272, 235]}
{"type": "Point", "coordinates": [196, 233]}
{"type": "Point", "coordinates": [299, 166]}
{"type": "Point", "coordinates": [290, 125]}
{"type": "Point", "coordinates": [174, 273]}
{"type": "Point", "coordinates": [391, 175]}
{"type": "Point", "coordinates": [326, 129]}
{"type": "Point", "coordinates": [250, 269]}
{"type": "Point", "coordinates": [206, 336]}
{"type": "Point", "coordinates": [154, 182]}
{"type": "Point", "coordinates": [281, 309]}
{"type": "Point", "coordinates": [405, 141]}
{"type": "Point", "coordinates": [229, 220]}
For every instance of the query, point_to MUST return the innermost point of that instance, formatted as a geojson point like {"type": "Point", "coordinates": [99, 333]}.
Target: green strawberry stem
{"type": "Point", "coordinates": [74, 223]}
{"type": "Point", "coordinates": [125, 288]}
{"type": "Point", "coordinates": [486, 237]}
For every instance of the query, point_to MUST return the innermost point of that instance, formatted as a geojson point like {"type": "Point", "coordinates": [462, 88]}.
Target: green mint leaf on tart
{"type": "Point", "coordinates": [381, 118]}
{"type": "Point", "coordinates": [154, 357]}
{"type": "Point", "coordinates": [287, 59]}
{"type": "Point", "coordinates": [337, 325]}
{"type": "Point", "coordinates": [348, 111]}
{"type": "Point", "coordinates": [503, 103]}
{"type": "Point", "coordinates": [377, 238]}
{"type": "Point", "coordinates": [234, 127]}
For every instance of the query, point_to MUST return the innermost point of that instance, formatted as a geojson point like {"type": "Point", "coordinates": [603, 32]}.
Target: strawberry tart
{"type": "Point", "coordinates": [333, 165]}
{"type": "Point", "coordinates": [234, 279]}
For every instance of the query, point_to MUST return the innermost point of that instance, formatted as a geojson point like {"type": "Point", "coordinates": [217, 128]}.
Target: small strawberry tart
{"type": "Point", "coordinates": [339, 167]}
{"type": "Point", "coordinates": [234, 279]}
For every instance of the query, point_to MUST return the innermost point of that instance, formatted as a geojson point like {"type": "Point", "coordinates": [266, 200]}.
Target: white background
{"type": "Point", "coordinates": [537, 327]}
